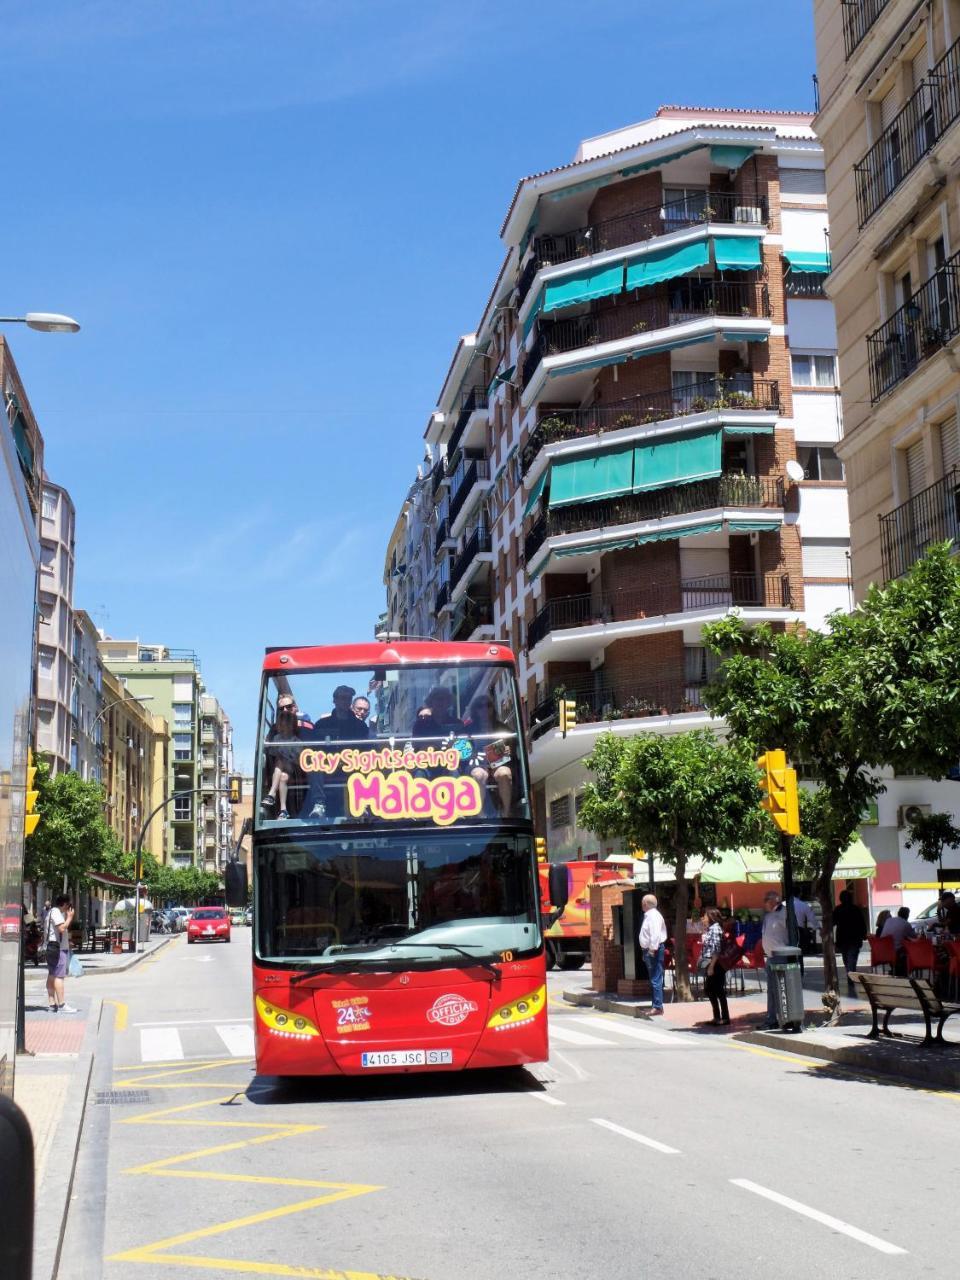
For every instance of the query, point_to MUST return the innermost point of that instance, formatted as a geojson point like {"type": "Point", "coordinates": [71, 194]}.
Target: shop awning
{"type": "Point", "coordinates": [727, 867]}
{"type": "Point", "coordinates": [668, 264]}
{"type": "Point", "coordinates": [602, 475]}
{"type": "Point", "coordinates": [736, 253]}
{"type": "Point", "coordinates": [730, 157]}
{"type": "Point", "coordinates": [677, 460]}
{"type": "Point", "coordinates": [599, 282]}
{"type": "Point", "coordinates": [535, 492]}
{"type": "Point", "coordinates": [804, 260]}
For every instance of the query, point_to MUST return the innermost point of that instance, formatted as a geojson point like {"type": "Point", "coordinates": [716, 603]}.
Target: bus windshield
{"type": "Point", "coordinates": [436, 746]}
{"type": "Point", "coordinates": [396, 900]}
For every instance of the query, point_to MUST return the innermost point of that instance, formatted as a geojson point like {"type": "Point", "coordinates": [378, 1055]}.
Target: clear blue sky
{"type": "Point", "coordinates": [273, 219]}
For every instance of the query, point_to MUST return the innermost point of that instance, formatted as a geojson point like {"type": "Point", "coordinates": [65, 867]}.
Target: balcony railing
{"type": "Point", "coordinates": [475, 398]}
{"type": "Point", "coordinates": [931, 516]}
{"type": "Point", "coordinates": [925, 323]}
{"type": "Point", "coordinates": [441, 536]}
{"type": "Point", "coordinates": [477, 613]}
{"type": "Point", "coordinates": [476, 470]}
{"type": "Point", "coordinates": [476, 543]}
{"type": "Point", "coordinates": [858, 17]}
{"type": "Point", "coordinates": [602, 701]}
{"type": "Point", "coordinates": [804, 284]}
{"type": "Point", "coordinates": [654, 600]}
{"type": "Point", "coordinates": [683, 499]}
{"type": "Point", "coordinates": [919, 125]}
{"type": "Point", "coordinates": [738, 391]}
{"type": "Point", "coordinates": [687, 300]}
{"type": "Point", "coordinates": [644, 224]}
{"type": "Point", "coordinates": [443, 596]}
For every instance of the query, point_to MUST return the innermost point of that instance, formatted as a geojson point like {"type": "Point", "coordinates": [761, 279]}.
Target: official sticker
{"type": "Point", "coordinates": [450, 1010]}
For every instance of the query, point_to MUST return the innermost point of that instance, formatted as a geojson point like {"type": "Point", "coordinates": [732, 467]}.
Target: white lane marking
{"type": "Point", "coordinates": [160, 1044]}
{"type": "Point", "coordinates": [637, 1137]}
{"type": "Point", "coordinates": [621, 1027]}
{"type": "Point", "coordinates": [188, 1022]}
{"type": "Point", "coordinates": [238, 1038]}
{"type": "Point", "coordinates": [835, 1224]}
{"type": "Point", "coordinates": [545, 1097]}
{"type": "Point", "coordinates": [574, 1037]}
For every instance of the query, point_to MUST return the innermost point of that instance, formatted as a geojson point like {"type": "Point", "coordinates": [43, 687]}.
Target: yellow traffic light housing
{"type": "Point", "coordinates": [540, 845]}
{"type": "Point", "coordinates": [30, 819]}
{"type": "Point", "coordinates": [779, 784]}
{"type": "Point", "coordinates": [568, 714]}
{"type": "Point", "coordinates": [236, 789]}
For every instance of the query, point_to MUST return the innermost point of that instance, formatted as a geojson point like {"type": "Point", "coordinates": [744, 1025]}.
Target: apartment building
{"type": "Point", "coordinates": [215, 821]}
{"type": "Point", "coordinates": [86, 700]}
{"type": "Point", "coordinates": [889, 120]}
{"type": "Point", "coordinates": [27, 440]}
{"type": "Point", "coordinates": [54, 726]}
{"type": "Point", "coordinates": [134, 745]}
{"type": "Point", "coordinates": [641, 433]}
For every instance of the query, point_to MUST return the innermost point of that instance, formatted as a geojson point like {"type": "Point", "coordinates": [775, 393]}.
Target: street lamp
{"type": "Point", "coordinates": [44, 322]}
{"type": "Point", "coordinates": [118, 702]}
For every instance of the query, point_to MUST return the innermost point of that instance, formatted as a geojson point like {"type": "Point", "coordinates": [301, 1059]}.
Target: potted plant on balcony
{"type": "Point", "coordinates": [639, 327]}
{"type": "Point", "coordinates": [625, 420]}
{"type": "Point", "coordinates": [554, 428]}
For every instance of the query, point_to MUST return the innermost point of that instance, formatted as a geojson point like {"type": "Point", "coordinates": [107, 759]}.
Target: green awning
{"type": "Point", "coordinates": [672, 346]}
{"type": "Point", "coordinates": [532, 315]}
{"type": "Point", "coordinates": [535, 492]}
{"type": "Point", "coordinates": [679, 531]}
{"type": "Point", "coordinates": [592, 548]}
{"type": "Point", "coordinates": [802, 260]}
{"type": "Point", "coordinates": [590, 185]}
{"type": "Point", "coordinates": [503, 376]}
{"type": "Point", "coordinates": [752, 526]}
{"type": "Point", "coordinates": [677, 460]}
{"type": "Point", "coordinates": [747, 428]}
{"type": "Point", "coordinates": [726, 867]}
{"type": "Point", "coordinates": [586, 365]}
{"type": "Point", "coordinates": [584, 286]}
{"type": "Point", "coordinates": [733, 336]}
{"type": "Point", "coordinates": [730, 157]}
{"type": "Point", "coordinates": [601, 475]}
{"type": "Point", "coordinates": [667, 264]}
{"type": "Point", "coordinates": [655, 164]}
{"type": "Point", "coordinates": [736, 253]}
{"type": "Point", "coordinates": [531, 228]}
{"type": "Point", "coordinates": [856, 863]}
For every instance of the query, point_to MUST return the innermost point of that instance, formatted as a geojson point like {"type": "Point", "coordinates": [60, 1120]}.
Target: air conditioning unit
{"type": "Point", "coordinates": [907, 814]}
{"type": "Point", "coordinates": [746, 213]}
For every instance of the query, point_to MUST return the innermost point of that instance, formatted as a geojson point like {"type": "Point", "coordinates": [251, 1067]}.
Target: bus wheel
{"type": "Point", "coordinates": [575, 961]}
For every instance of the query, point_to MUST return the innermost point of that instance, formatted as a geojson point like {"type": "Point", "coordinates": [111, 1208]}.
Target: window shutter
{"type": "Point", "coordinates": [916, 469]}
{"type": "Point", "coordinates": [803, 182]}
{"type": "Point", "coordinates": [950, 444]}
{"type": "Point", "coordinates": [918, 66]}
{"type": "Point", "coordinates": [889, 106]}
{"type": "Point", "coordinates": [825, 560]}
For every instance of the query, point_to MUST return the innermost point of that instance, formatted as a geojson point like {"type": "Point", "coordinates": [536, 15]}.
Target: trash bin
{"type": "Point", "coordinates": [787, 988]}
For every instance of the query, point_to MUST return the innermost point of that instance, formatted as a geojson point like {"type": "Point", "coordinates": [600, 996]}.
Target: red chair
{"type": "Point", "coordinates": [755, 960]}
{"type": "Point", "coordinates": [694, 945]}
{"type": "Point", "coordinates": [953, 967]}
{"type": "Point", "coordinates": [921, 957]}
{"type": "Point", "coordinates": [882, 952]}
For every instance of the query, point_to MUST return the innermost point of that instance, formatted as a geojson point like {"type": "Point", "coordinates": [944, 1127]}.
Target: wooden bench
{"type": "Point", "coordinates": [889, 993]}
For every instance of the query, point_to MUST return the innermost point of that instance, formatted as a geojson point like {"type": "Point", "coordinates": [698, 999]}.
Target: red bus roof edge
{"type": "Point", "coordinates": [384, 654]}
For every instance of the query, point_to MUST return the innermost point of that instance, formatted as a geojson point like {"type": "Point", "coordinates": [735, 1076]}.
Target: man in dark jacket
{"type": "Point", "coordinates": [851, 930]}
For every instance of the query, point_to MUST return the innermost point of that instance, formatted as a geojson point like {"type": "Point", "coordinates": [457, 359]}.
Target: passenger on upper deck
{"type": "Point", "coordinates": [342, 724]}
{"type": "Point", "coordinates": [493, 756]}
{"type": "Point", "coordinates": [282, 756]}
{"type": "Point", "coordinates": [435, 719]}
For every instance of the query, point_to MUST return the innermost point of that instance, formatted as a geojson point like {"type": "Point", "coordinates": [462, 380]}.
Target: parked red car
{"type": "Point", "coordinates": [209, 924]}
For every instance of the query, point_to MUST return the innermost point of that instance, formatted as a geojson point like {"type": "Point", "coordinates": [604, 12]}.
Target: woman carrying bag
{"type": "Point", "coordinates": [57, 942]}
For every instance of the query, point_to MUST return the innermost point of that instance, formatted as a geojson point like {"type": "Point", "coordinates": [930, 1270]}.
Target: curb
{"type": "Point", "coordinates": [863, 1058]}
{"type": "Point", "coordinates": [606, 1003]}
{"type": "Point", "coordinates": [40, 974]}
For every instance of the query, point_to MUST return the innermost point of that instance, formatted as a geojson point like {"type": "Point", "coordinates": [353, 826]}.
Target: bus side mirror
{"type": "Point", "coordinates": [235, 884]}
{"type": "Point", "coordinates": [16, 1192]}
{"type": "Point", "coordinates": [559, 891]}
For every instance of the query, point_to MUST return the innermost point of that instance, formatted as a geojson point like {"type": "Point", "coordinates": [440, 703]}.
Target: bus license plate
{"type": "Point", "coordinates": [407, 1058]}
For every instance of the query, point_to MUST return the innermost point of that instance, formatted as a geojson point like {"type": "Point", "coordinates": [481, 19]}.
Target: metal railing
{"type": "Point", "coordinates": [927, 321]}
{"type": "Point", "coordinates": [475, 470]}
{"type": "Point", "coordinates": [475, 398]}
{"type": "Point", "coordinates": [476, 542]}
{"type": "Point", "coordinates": [858, 17]}
{"type": "Point", "coordinates": [654, 600]}
{"type": "Point", "coordinates": [736, 391]}
{"type": "Point", "coordinates": [598, 701]}
{"type": "Point", "coordinates": [804, 284]}
{"type": "Point", "coordinates": [918, 126]}
{"type": "Point", "coordinates": [442, 534]}
{"type": "Point", "coordinates": [931, 516]}
{"type": "Point", "coordinates": [686, 300]}
{"type": "Point", "coordinates": [682, 499]}
{"type": "Point", "coordinates": [644, 224]}
{"type": "Point", "coordinates": [477, 613]}
{"type": "Point", "coordinates": [443, 596]}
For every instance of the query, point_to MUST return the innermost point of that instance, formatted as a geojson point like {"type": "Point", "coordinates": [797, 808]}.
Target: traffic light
{"type": "Point", "coordinates": [540, 844]}
{"type": "Point", "coordinates": [30, 819]}
{"type": "Point", "coordinates": [568, 714]}
{"type": "Point", "coordinates": [780, 792]}
{"type": "Point", "coordinates": [236, 789]}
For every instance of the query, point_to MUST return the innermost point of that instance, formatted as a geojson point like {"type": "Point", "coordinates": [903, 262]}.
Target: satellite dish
{"type": "Point", "coordinates": [794, 471]}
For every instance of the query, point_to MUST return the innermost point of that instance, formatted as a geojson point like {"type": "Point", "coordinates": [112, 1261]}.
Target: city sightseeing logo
{"type": "Point", "coordinates": [450, 1010]}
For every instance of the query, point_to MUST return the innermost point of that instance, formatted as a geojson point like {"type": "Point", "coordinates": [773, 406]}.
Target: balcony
{"type": "Point", "coordinates": [443, 596]}
{"type": "Point", "coordinates": [684, 499]}
{"type": "Point", "coordinates": [469, 473]}
{"type": "Point", "coordinates": [599, 701]}
{"type": "Point", "coordinates": [929, 320]}
{"type": "Point", "coordinates": [653, 600]}
{"type": "Point", "coordinates": [442, 535]}
{"type": "Point", "coordinates": [470, 402]}
{"type": "Point", "coordinates": [477, 542]}
{"type": "Point", "coordinates": [804, 284]}
{"type": "Point", "coordinates": [740, 392]}
{"type": "Point", "coordinates": [687, 300]}
{"type": "Point", "coordinates": [474, 614]}
{"type": "Point", "coordinates": [858, 17]}
{"type": "Point", "coordinates": [931, 516]}
{"type": "Point", "coordinates": [918, 126]}
{"type": "Point", "coordinates": [645, 224]}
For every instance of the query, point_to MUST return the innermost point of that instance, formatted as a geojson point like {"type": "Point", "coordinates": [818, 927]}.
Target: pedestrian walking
{"type": "Point", "coordinates": [851, 930]}
{"type": "Point", "coordinates": [653, 941]}
{"type": "Point", "coordinates": [714, 976]}
{"type": "Point", "coordinates": [57, 942]}
{"type": "Point", "coordinates": [774, 937]}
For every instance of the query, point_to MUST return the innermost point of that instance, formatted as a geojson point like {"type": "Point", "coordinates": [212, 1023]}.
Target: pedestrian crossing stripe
{"type": "Point", "coordinates": [165, 1044]}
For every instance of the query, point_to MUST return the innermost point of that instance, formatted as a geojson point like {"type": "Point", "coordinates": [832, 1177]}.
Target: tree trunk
{"type": "Point", "coordinates": [680, 975]}
{"type": "Point", "coordinates": [831, 976]}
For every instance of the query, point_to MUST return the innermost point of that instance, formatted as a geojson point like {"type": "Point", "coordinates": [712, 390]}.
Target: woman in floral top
{"type": "Point", "coordinates": [714, 981]}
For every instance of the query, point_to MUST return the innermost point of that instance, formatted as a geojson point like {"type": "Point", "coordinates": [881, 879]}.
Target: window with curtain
{"type": "Point", "coordinates": [819, 462]}
{"type": "Point", "coordinates": [810, 369]}
{"type": "Point", "coordinates": [183, 746]}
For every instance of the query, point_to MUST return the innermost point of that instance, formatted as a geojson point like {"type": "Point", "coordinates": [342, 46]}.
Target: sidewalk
{"type": "Point", "coordinates": [96, 962]}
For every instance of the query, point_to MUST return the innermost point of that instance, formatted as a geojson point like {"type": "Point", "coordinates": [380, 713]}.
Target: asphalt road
{"type": "Point", "coordinates": [638, 1151]}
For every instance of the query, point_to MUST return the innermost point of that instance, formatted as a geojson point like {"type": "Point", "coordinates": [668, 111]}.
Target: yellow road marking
{"type": "Point", "coordinates": [182, 1084]}
{"type": "Point", "coordinates": [178, 1062]}
{"type": "Point", "coordinates": [186, 1071]}
{"type": "Point", "coordinates": [154, 1117]}
{"type": "Point", "coordinates": [120, 1017]}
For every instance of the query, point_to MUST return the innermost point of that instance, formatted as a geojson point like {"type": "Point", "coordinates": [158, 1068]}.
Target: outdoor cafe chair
{"type": "Point", "coordinates": [953, 968]}
{"type": "Point", "coordinates": [882, 952]}
{"type": "Point", "coordinates": [921, 957]}
{"type": "Point", "coordinates": [754, 960]}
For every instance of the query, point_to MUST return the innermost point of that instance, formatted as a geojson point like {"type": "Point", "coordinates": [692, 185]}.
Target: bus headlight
{"type": "Point", "coordinates": [284, 1022]}
{"type": "Point", "coordinates": [523, 1009]}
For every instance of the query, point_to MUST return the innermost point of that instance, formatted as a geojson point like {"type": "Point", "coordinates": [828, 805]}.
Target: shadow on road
{"type": "Point", "coordinates": [275, 1091]}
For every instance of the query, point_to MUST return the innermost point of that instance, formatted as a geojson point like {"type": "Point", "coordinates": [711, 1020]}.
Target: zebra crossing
{"type": "Point", "coordinates": [169, 1042]}
{"type": "Point", "coordinates": [585, 1031]}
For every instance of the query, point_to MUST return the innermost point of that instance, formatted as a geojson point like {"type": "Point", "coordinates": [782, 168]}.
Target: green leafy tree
{"type": "Point", "coordinates": [72, 838]}
{"type": "Point", "coordinates": [931, 834]}
{"type": "Point", "coordinates": [682, 795]}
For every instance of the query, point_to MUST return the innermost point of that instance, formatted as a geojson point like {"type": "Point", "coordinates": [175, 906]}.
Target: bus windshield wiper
{"type": "Point", "coordinates": [453, 946]}
{"type": "Point", "coordinates": [360, 955]}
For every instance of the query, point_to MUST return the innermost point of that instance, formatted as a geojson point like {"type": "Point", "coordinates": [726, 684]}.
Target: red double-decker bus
{"type": "Point", "coordinates": [396, 913]}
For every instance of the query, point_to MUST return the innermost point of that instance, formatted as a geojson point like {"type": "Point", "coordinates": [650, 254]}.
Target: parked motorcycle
{"type": "Point", "coordinates": [31, 943]}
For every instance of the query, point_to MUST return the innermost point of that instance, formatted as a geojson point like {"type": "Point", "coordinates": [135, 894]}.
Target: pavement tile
{"type": "Point", "coordinates": [41, 1095]}
{"type": "Point", "coordinates": [55, 1033]}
